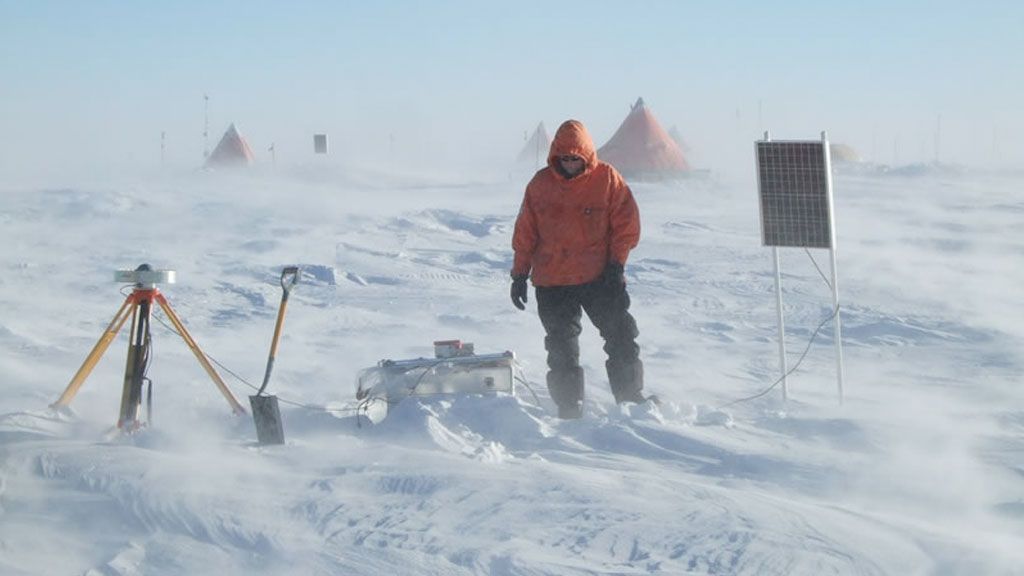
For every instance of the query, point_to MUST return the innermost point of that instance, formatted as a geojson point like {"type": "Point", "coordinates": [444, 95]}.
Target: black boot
{"type": "Point", "coordinates": [627, 381]}
{"type": "Point", "coordinates": [566, 389]}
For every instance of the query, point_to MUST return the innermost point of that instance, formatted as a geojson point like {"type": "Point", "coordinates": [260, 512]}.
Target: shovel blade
{"type": "Point", "coordinates": [267, 416]}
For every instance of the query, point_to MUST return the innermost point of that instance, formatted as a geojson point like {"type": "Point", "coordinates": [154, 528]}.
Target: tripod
{"type": "Point", "coordinates": [138, 306]}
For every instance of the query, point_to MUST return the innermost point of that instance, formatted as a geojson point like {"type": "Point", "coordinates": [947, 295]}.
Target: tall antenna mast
{"type": "Point", "coordinates": [163, 147]}
{"type": "Point", "coordinates": [206, 125]}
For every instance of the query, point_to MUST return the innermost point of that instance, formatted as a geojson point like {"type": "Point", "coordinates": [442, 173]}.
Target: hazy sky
{"type": "Point", "coordinates": [95, 83]}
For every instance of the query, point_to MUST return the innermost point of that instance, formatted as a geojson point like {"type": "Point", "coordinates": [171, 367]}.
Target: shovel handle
{"type": "Point", "coordinates": [289, 278]}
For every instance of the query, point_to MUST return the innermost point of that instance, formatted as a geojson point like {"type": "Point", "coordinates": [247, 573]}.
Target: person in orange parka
{"type": "Point", "coordinates": [575, 229]}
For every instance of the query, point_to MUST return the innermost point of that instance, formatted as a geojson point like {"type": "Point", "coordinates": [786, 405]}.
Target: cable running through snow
{"type": "Point", "coordinates": [791, 370]}
{"type": "Point", "coordinates": [806, 350]}
{"type": "Point", "coordinates": [312, 407]}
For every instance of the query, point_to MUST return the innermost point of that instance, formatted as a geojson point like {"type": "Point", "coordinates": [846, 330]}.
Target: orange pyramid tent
{"type": "Point", "coordinates": [641, 148]}
{"type": "Point", "coordinates": [232, 150]}
{"type": "Point", "coordinates": [535, 151]}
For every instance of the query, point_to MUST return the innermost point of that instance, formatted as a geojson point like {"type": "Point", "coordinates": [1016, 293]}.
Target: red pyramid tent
{"type": "Point", "coordinates": [232, 150]}
{"type": "Point", "coordinates": [641, 147]}
{"type": "Point", "coordinates": [535, 151]}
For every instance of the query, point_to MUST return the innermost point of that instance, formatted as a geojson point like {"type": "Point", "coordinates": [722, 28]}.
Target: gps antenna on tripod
{"type": "Point", "coordinates": [138, 306]}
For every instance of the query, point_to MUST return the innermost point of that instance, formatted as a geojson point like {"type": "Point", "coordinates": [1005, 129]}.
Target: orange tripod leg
{"type": "Point", "coordinates": [97, 352]}
{"type": "Point", "coordinates": [191, 343]}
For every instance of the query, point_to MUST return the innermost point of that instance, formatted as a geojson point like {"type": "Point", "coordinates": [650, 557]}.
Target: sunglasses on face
{"type": "Point", "coordinates": [570, 158]}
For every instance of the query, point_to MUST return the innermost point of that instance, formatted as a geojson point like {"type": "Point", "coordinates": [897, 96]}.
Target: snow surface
{"type": "Point", "coordinates": [921, 471]}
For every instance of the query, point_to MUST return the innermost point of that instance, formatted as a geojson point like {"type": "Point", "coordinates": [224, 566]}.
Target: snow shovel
{"type": "Point", "coordinates": [265, 412]}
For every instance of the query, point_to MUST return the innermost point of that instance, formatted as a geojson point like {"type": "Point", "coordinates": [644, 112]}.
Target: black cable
{"type": "Point", "coordinates": [791, 370]}
{"type": "Point", "coordinates": [312, 407]}
{"type": "Point", "coordinates": [524, 382]}
{"type": "Point", "coordinates": [363, 406]}
{"type": "Point", "coordinates": [149, 401]}
{"type": "Point", "coordinates": [147, 358]}
{"type": "Point", "coordinates": [147, 361]}
{"type": "Point", "coordinates": [806, 350]}
{"type": "Point", "coordinates": [426, 370]}
{"type": "Point", "coordinates": [822, 274]}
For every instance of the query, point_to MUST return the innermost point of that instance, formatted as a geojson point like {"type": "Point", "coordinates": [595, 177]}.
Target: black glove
{"type": "Point", "coordinates": [614, 277]}
{"type": "Point", "coordinates": [518, 292]}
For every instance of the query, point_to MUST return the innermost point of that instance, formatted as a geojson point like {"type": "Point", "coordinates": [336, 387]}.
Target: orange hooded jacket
{"type": "Point", "coordinates": [568, 229]}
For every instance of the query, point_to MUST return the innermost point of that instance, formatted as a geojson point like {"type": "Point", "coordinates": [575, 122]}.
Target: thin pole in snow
{"type": "Point", "coordinates": [837, 324]}
{"type": "Point", "coordinates": [782, 324]}
{"type": "Point", "coordinates": [783, 369]}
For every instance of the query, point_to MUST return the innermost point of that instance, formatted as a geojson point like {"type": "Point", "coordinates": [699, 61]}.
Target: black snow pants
{"type": "Point", "coordinates": [560, 309]}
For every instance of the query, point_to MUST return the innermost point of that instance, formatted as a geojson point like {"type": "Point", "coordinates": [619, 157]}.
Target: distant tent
{"type": "Point", "coordinates": [535, 151]}
{"type": "Point", "coordinates": [843, 153]}
{"type": "Point", "coordinates": [676, 137]}
{"type": "Point", "coordinates": [232, 150]}
{"type": "Point", "coordinates": [641, 148]}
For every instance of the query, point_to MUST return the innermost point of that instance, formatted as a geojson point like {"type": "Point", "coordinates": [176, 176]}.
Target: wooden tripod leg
{"type": "Point", "coordinates": [191, 343]}
{"type": "Point", "coordinates": [97, 352]}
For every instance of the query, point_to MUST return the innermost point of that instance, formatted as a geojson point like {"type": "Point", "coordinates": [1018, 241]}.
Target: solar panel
{"type": "Point", "coordinates": [794, 184]}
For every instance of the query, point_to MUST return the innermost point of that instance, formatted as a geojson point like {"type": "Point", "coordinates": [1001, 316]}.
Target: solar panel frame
{"type": "Point", "coordinates": [794, 179]}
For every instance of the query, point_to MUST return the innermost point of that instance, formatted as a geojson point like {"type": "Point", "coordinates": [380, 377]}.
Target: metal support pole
{"type": "Point", "coordinates": [782, 323]}
{"type": "Point", "coordinates": [135, 365]}
{"type": "Point", "coordinates": [837, 323]}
